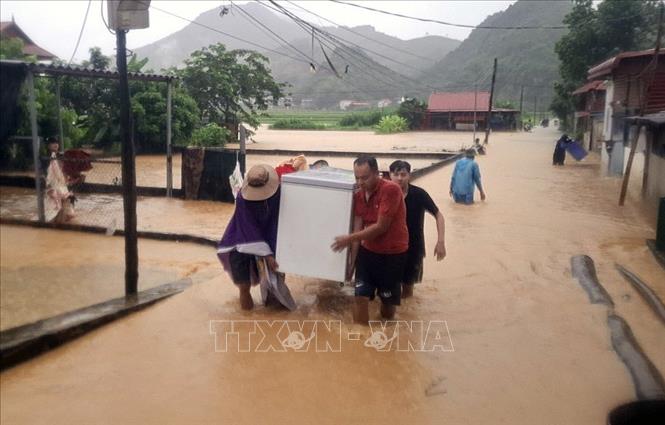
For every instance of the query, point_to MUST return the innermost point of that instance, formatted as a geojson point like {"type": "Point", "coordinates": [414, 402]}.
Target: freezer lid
{"type": "Point", "coordinates": [336, 178]}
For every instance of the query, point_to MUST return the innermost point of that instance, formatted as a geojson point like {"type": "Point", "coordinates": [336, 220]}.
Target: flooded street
{"type": "Point", "coordinates": [48, 272]}
{"type": "Point", "coordinates": [528, 346]}
{"type": "Point", "coordinates": [154, 213]}
{"type": "Point", "coordinates": [418, 141]}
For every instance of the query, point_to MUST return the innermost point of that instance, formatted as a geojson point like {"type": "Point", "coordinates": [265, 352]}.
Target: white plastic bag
{"type": "Point", "coordinates": [235, 179]}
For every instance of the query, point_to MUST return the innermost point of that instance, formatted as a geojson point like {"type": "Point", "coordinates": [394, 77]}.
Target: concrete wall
{"type": "Point", "coordinates": [656, 179]}
{"type": "Point", "coordinates": [656, 183]}
{"type": "Point", "coordinates": [615, 162]}
{"type": "Point", "coordinates": [638, 161]}
{"type": "Point", "coordinates": [609, 111]}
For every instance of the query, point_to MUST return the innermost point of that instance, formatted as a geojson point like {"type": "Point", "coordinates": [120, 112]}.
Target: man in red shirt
{"type": "Point", "coordinates": [380, 223]}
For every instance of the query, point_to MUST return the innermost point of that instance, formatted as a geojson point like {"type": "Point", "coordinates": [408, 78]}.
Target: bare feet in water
{"type": "Point", "coordinates": [246, 301]}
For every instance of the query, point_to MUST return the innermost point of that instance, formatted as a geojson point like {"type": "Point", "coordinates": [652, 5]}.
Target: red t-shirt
{"type": "Point", "coordinates": [387, 200]}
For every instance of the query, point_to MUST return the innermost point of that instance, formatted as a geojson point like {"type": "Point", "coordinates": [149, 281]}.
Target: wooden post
{"type": "Point", "coordinates": [521, 104]}
{"type": "Point", "coordinates": [60, 131]}
{"type": "Point", "coordinates": [489, 109]}
{"type": "Point", "coordinates": [647, 158]}
{"type": "Point", "coordinates": [35, 148]}
{"type": "Point", "coordinates": [475, 106]}
{"type": "Point", "coordinates": [128, 171]}
{"type": "Point", "coordinates": [169, 153]}
{"type": "Point", "coordinates": [243, 148]}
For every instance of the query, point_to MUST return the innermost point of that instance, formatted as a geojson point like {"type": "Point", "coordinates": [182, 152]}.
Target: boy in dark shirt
{"type": "Point", "coordinates": [417, 202]}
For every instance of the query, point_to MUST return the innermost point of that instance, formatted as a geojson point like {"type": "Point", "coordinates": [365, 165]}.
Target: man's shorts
{"type": "Point", "coordinates": [242, 266]}
{"type": "Point", "coordinates": [413, 269]}
{"type": "Point", "coordinates": [463, 198]}
{"type": "Point", "coordinates": [380, 273]}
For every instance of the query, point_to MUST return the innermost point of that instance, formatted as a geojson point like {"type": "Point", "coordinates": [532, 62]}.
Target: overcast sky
{"type": "Point", "coordinates": [55, 25]}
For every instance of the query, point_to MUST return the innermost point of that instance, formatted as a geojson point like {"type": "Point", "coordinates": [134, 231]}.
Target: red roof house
{"type": "Point", "coordinates": [10, 29]}
{"type": "Point", "coordinates": [455, 111]}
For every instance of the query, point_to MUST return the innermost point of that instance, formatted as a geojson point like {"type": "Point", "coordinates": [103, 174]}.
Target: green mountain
{"type": "Point", "coordinates": [173, 49]}
{"type": "Point", "coordinates": [526, 57]}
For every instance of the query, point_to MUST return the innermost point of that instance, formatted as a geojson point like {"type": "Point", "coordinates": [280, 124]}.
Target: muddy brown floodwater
{"type": "Point", "coordinates": [528, 346]}
{"type": "Point", "coordinates": [48, 272]}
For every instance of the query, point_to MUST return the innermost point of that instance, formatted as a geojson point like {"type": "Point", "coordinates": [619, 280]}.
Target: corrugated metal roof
{"type": "Point", "coordinates": [461, 101]}
{"type": "Point", "coordinates": [590, 86]}
{"type": "Point", "coordinates": [606, 67]}
{"type": "Point", "coordinates": [39, 68]}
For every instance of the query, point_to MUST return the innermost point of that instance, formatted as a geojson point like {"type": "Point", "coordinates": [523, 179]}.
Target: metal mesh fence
{"type": "Point", "coordinates": [92, 192]}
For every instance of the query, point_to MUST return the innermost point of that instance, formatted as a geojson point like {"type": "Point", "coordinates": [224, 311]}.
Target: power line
{"type": "Point", "coordinates": [272, 32]}
{"type": "Point", "coordinates": [484, 27]}
{"type": "Point", "coordinates": [359, 34]}
{"type": "Point", "coordinates": [85, 19]}
{"type": "Point", "coordinates": [108, 28]}
{"type": "Point", "coordinates": [336, 40]}
{"type": "Point", "coordinates": [227, 34]}
{"type": "Point", "coordinates": [436, 21]}
{"type": "Point", "coordinates": [307, 27]}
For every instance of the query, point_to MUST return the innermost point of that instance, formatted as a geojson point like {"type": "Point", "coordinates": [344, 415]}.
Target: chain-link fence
{"type": "Point", "coordinates": [78, 186]}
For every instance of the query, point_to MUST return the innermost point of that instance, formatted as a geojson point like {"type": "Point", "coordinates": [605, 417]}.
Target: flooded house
{"type": "Point", "coordinates": [590, 114]}
{"type": "Point", "coordinates": [634, 80]}
{"type": "Point", "coordinates": [460, 110]}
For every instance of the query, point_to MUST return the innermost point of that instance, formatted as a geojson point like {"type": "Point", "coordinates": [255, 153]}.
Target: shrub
{"type": "Point", "coordinates": [210, 135]}
{"type": "Point", "coordinates": [361, 119]}
{"type": "Point", "coordinates": [296, 124]}
{"type": "Point", "coordinates": [115, 149]}
{"type": "Point", "coordinates": [413, 111]}
{"type": "Point", "coordinates": [392, 124]}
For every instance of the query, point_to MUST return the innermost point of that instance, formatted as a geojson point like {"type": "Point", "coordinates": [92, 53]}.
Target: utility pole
{"type": "Point", "coordinates": [489, 109]}
{"type": "Point", "coordinates": [535, 111]}
{"type": "Point", "coordinates": [475, 107]}
{"type": "Point", "coordinates": [123, 16]}
{"type": "Point", "coordinates": [521, 103]}
{"type": "Point", "coordinates": [128, 170]}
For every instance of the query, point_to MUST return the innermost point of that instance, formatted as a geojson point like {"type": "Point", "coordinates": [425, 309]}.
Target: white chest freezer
{"type": "Point", "coordinates": [315, 206]}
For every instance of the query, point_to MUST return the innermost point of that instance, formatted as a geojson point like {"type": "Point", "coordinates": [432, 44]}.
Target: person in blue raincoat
{"type": "Point", "coordinates": [466, 175]}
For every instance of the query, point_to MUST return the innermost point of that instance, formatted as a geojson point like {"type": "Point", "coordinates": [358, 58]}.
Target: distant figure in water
{"type": "Point", "coordinates": [478, 147]}
{"type": "Point", "coordinates": [559, 155]}
{"type": "Point", "coordinates": [465, 175]}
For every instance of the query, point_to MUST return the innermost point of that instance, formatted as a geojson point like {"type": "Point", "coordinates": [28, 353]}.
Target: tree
{"type": "Point", "coordinates": [149, 114]}
{"type": "Point", "coordinates": [210, 135]}
{"type": "Point", "coordinates": [504, 104]}
{"type": "Point", "coordinates": [97, 60]}
{"type": "Point", "coordinates": [230, 86]}
{"type": "Point", "coordinates": [96, 101]}
{"type": "Point", "coordinates": [12, 48]}
{"type": "Point", "coordinates": [413, 111]}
